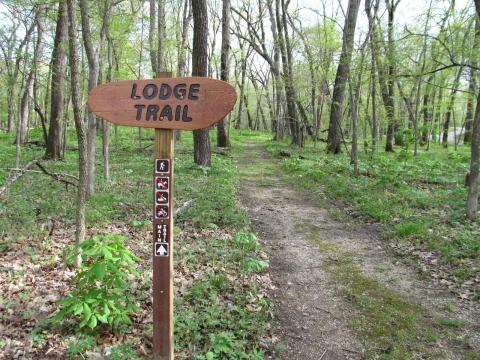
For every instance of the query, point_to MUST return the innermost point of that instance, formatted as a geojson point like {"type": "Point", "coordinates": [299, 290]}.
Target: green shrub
{"type": "Point", "coordinates": [255, 265]}
{"type": "Point", "coordinates": [102, 294]}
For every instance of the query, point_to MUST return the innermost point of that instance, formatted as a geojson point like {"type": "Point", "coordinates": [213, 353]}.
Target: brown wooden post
{"type": "Point", "coordinates": [163, 344]}
{"type": "Point", "coordinates": [166, 104]}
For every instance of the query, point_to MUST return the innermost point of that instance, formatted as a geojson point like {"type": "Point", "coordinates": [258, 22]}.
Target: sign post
{"type": "Point", "coordinates": [165, 104]}
{"type": "Point", "coordinates": [163, 246]}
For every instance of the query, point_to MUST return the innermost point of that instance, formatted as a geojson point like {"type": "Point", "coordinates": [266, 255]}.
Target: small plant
{"type": "Point", "coordinates": [222, 344]}
{"type": "Point", "coordinates": [255, 265]}
{"type": "Point", "coordinates": [123, 352]}
{"type": "Point", "coordinates": [102, 294]}
{"type": "Point", "coordinates": [76, 349]}
{"type": "Point", "coordinates": [246, 241]}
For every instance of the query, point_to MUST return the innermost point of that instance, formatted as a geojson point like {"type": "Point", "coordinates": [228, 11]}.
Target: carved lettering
{"type": "Point", "coordinates": [152, 111]}
{"type": "Point", "coordinates": [139, 112]}
{"type": "Point", "coordinates": [150, 91]}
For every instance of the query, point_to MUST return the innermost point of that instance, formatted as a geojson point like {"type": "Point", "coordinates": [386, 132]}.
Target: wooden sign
{"type": "Point", "coordinates": [165, 104]}
{"type": "Point", "coordinates": [188, 103]}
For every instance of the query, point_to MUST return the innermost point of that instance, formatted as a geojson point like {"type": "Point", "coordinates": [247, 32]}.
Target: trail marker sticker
{"type": "Point", "coordinates": [162, 165]}
{"type": "Point", "coordinates": [161, 211]}
{"type": "Point", "coordinates": [162, 183]}
{"type": "Point", "coordinates": [161, 197]}
{"type": "Point", "coordinates": [165, 103]}
{"type": "Point", "coordinates": [161, 249]}
{"type": "Point", "coordinates": [162, 233]}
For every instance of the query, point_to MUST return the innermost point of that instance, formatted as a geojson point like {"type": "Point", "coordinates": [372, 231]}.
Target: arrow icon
{"type": "Point", "coordinates": [161, 249]}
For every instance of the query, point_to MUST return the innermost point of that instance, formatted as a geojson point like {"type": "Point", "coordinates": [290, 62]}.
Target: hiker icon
{"type": "Point", "coordinates": [162, 166]}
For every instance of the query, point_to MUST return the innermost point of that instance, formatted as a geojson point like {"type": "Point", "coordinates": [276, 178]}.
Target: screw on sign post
{"type": "Point", "coordinates": [166, 104]}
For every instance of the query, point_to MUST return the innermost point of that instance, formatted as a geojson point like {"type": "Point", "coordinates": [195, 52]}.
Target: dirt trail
{"type": "Point", "coordinates": [312, 314]}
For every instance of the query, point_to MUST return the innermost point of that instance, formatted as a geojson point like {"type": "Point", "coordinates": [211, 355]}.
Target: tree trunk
{"type": "Point", "coordinates": [151, 37]}
{"type": "Point", "coordinates": [243, 76]}
{"type": "Point", "coordinates": [80, 127]}
{"type": "Point", "coordinates": [334, 129]}
{"type": "Point", "coordinates": [473, 183]}
{"type": "Point", "coordinates": [93, 57]}
{"type": "Point", "coordinates": [390, 100]}
{"type": "Point", "coordinates": [27, 95]}
{"type": "Point", "coordinates": [472, 87]}
{"type": "Point", "coordinates": [222, 137]}
{"type": "Point", "coordinates": [54, 144]}
{"type": "Point", "coordinates": [450, 105]}
{"type": "Point", "coordinates": [285, 53]}
{"type": "Point", "coordinates": [187, 15]}
{"type": "Point", "coordinates": [161, 66]}
{"type": "Point", "coordinates": [201, 138]}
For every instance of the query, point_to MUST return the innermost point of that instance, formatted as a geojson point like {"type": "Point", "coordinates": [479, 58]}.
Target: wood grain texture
{"type": "Point", "coordinates": [163, 344]}
{"type": "Point", "coordinates": [116, 101]}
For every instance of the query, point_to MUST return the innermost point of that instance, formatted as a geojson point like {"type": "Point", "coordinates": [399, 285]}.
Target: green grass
{"type": "Point", "coordinates": [421, 201]}
{"type": "Point", "coordinates": [222, 310]}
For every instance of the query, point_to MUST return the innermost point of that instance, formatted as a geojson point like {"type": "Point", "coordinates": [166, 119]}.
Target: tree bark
{"type": "Point", "coordinates": [222, 137]}
{"type": "Point", "coordinates": [285, 54]}
{"type": "Point", "coordinates": [372, 28]}
{"type": "Point", "coordinates": [334, 129]}
{"type": "Point", "coordinates": [161, 37]}
{"type": "Point", "coordinates": [390, 100]}
{"type": "Point", "coordinates": [201, 138]}
{"type": "Point", "coordinates": [93, 57]}
{"type": "Point", "coordinates": [54, 144]}
{"type": "Point", "coordinates": [80, 127]}
{"type": "Point", "coordinates": [472, 87]}
{"type": "Point", "coordinates": [473, 182]}
{"type": "Point", "coordinates": [450, 105]}
{"type": "Point", "coordinates": [27, 95]}
{"type": "Point", "coordinates": [151, 37]}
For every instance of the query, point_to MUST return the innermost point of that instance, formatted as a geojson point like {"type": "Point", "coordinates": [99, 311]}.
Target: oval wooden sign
{"type": "Point", "coordinates": [187, 103]}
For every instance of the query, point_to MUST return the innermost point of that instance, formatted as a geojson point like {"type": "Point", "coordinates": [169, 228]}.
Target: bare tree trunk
{"type": "Point", "coordinates": [241, 96]}
{"type": "Point", "coordinates": [151, 37]}
{"type": "Point", "coordinates": [373, 47]}
{"type": "Point", "coordinates": [201, 138]}
{"type": "Point", "coordinates": [473, 182]}
{"type": "Point", "coordinates": [222, 137]}
{"type": "Point", "coordinates": [451, 103]}
{"type": "Point", "coordinates": [106, 124]}
{"type": "Point", "coordinates": [390, 101]}
{"type": "Point", "coordinates": [285, 53]}
{"type": "Point", "coordinates": [334, 129]}
{"type": "Point", "coordinates": [93, 57]}
{"type": "Point", "coordinates": [80, 127]}
{"type": "Point", "coordinates": [472, 88]}
{"type": "Point", "coordinates": [54, 144]}
{"type": "Point", "coordinates": [187, 16]}
{"type": "Point", "coordinates": [161, 37]}
{"type": "Point", "coordinates": [30, 77]}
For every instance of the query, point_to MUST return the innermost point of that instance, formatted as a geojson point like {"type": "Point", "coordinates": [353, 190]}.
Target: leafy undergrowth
{"type": "Point", "coordinates": [221, 305]}
{"type": "Point", "coordinates": [420, 200]}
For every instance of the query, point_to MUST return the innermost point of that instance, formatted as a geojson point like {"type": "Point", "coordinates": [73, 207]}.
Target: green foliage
{"type": "Point", "coordinates": [211, 191]}
{"type": "Point", "coordinates": [246, 241]}
{"type": "Point", "coordinates": [255, 265]}
{"type": "Point", "coordinates": [101, 294]}
{"type": "Point", "coordinates": [77, 348]}
{"type": "Point", "coordinates": [123, 352]}
{"type": "Point", "coordinates": [450, 322]}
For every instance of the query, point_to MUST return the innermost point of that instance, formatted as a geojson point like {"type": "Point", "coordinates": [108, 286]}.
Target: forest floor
{"type": "Point", "coordinates": [341, 291]}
